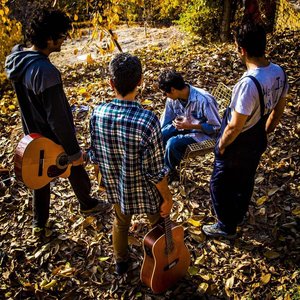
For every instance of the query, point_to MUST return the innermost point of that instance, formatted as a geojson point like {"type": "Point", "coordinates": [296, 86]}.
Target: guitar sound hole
{"type": "Point", "coordinates": [171, 265]}
{"type": "Point", "coordinates": [62, 161]}
{"type": "Point", "coordinates": [53, 171]}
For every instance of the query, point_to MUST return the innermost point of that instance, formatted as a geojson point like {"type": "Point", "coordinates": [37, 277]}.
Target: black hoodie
{"type": "Point", "coordinates": [43, 103]}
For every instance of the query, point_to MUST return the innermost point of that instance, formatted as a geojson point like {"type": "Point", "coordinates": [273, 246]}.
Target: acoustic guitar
{"type": "Point", "coordinates": [38, 160]}
{"type": "Point", "coordinates": [166, 258]}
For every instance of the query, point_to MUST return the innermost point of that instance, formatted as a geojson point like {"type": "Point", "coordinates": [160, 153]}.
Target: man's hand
{"type": "Point", "coordinates": [178, 122]}
{"type": "Point", "coordinates": [188, 123]}
{"type": "Point", "coordinates": [221, 149]}
{"type": "Point", "coordinates": [78, 161]}
{"type": "Point", "coordinates": [165, 208]}
{"type": "Point", "coordinates": [181, 123]}
{"type": "Point", "coordinates": [232, 130]}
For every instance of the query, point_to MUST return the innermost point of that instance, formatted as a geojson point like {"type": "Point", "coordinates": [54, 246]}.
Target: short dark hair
{"type": "Point", "coordinates": [126, 72]}
{"type": "Point", "coordinates": [170, 78]}
{"type": "Point", "coordinates": [252, 37]}
{"type": "Point", "coordinates": [48, 24]}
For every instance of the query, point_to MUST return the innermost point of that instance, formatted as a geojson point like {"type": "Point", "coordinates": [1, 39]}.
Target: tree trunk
{"type": "Point", "coordinates": [225, 23]}
{"type": "Point", "coordinates": [270, 13]}
{"type": "Point", "coordinates": [252, 12]}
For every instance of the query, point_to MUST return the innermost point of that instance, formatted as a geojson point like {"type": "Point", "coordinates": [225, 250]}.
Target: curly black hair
{"type": "Point", "coordinates": [170, 78]}
{"type": "Point", "coordinates": [48, 24]}
{"type": "Point", "coordinates": [126, 72]}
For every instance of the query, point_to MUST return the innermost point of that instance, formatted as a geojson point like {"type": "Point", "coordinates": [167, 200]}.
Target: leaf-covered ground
{"type": "Point", "coordinates": [77, 262]}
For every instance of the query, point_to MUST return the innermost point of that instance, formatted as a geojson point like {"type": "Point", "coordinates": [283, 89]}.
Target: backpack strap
{"type": "Point", "coordinates": [260, 93]}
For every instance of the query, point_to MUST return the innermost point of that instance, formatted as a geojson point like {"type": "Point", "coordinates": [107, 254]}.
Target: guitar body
{"type": "Point", "coordinates": [38, 160]}
{"type": "Point", "coordinates": [160, 270]}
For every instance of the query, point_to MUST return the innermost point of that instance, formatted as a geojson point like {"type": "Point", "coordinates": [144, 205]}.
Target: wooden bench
{"type": "Point", "coordinates": [222, 94]}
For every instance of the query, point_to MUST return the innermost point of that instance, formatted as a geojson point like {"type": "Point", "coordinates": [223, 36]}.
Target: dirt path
{"type": "Point", "coordinates": [129, 38]}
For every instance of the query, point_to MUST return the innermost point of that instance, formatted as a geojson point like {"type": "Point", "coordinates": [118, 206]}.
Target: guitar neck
{"type": "Point", "coordinates": [169, 237]}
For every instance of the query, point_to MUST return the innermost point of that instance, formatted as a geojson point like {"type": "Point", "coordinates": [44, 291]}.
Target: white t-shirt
{"type": "Point", "coordinates": [245, 96]}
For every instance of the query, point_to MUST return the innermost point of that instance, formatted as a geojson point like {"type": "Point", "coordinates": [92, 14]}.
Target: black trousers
{"type": "Point", "coordinates": [231, 188]}
{"type": "Point", "coordinates": [81, 185]}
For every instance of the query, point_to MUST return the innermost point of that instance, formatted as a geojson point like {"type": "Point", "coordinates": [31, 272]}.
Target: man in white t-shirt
{"type": "Point", "coordinates": [256, 107]}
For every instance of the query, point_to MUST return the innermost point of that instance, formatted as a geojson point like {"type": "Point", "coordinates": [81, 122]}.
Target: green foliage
{"type": "Point", "coordinates": [165, 10]}
{"type": "Point", "coordinates": [202, 18]}
{"type": "Point", "coordinates": [287, 17]}
{"type": "Point", "coordinates": [172, 8]}
{"type": "Point", "coordinates": [10, 33]}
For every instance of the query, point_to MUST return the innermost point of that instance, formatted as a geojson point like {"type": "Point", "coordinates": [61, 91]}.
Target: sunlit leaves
{"type": "Point", "coordinates": [296, 212]}
{"type": "Point", "coordinates": [261, 200]}
{"type": "Point", "coordinates": [10, 33]}
{"type": "Point", "coordinates": [265, 278]}
{"type": "Point", "coordinates": [260, 264]}
{"type": "Point", "coordinates": [195, 223]}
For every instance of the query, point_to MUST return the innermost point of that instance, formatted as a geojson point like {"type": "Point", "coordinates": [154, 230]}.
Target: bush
{"type": "Point", "coordinates": [202, 18]}
{"type": "Point", "coordinates": [10, 33]}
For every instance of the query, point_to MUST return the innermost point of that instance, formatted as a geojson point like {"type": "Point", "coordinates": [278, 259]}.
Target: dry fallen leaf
{"type": "Point", "coordinates": [261, 200]}
{"type": "Point", "coordinates": [194, 222]}
{"type": "Point", "coordinates": [271, 254]}
{"type": "Point", "coordinates": [245, 262]}
{"type": "Point", "coordinates": [202, 288]}
{"type": "Point", "coordinates": [264, 279]}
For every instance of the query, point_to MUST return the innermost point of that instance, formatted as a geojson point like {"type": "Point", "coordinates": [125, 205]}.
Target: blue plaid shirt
{"type": "Point", "coordinates": [126, 143]}
{"type": "Point", "coordinates": [201, 108]}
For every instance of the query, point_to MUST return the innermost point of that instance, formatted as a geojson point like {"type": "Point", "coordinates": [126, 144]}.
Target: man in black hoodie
{"type": "Point", "coordinates": [45, 109]}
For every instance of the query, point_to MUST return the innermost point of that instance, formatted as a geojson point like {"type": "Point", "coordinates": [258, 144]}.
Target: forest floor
{"type": "Point", "coordinates": [130, 39]}
{"type": "Point", "coordinates": [77, 261]}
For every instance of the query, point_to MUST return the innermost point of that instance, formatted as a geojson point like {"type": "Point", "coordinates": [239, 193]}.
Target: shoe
{"type": "Point", "coordinates": [215, 231]}
{"type": "Point", "coordinates": [122, 267]}
{"type": "Point", "coordinates": [100, 207]}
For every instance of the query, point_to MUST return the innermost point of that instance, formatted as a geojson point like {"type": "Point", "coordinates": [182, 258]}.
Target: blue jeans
{"type": "Point", "coordinates": [175, 142]}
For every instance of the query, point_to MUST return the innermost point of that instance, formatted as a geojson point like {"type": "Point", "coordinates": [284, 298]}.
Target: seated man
{"type": "Point", "coordinates": [191, 115]}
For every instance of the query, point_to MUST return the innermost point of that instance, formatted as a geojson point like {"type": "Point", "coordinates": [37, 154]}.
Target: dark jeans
{"type": "Point", "coordinates": [231, 188]}
{"type": "Point", "coordinates": [81, 185]}
{"type": "Point", "coordinates": [175, 142]}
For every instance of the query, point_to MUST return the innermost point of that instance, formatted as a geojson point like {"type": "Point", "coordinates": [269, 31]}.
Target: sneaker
{"type": "Point", "coordinates": [122, 267]}
{"type": "Point", "coordinates": [100, 207]}
{"type": "Point", "coordinates": [215, 231]}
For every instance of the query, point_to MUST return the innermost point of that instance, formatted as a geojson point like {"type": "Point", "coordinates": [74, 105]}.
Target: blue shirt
{"type": "Point", "coordinates": [126, 143]}
{"type": "Point", "coordinates": [201, 108]}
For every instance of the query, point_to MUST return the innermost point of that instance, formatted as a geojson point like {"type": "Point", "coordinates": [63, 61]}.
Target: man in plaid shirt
{"type": "Point", "coordinates": [126, 143]}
